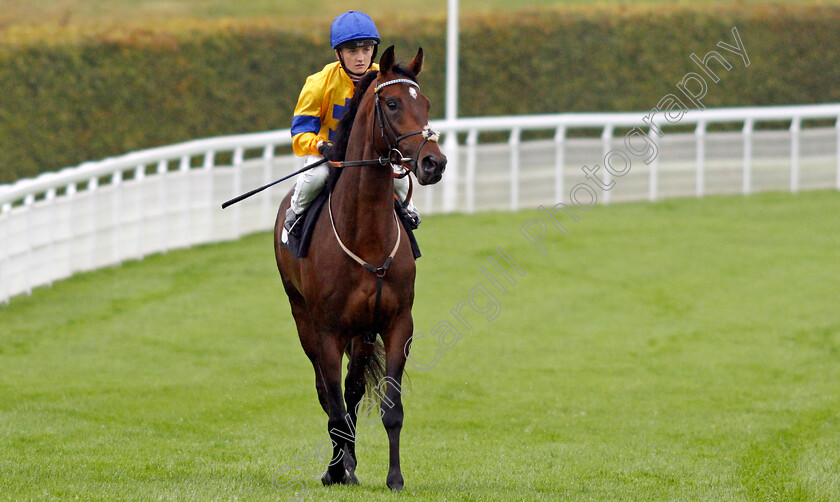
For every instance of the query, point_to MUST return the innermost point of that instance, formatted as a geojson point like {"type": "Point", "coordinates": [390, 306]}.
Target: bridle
{"type": "Point", "coordinates": [393, 151]}
{"type": "Point", "coordinates": [393, 158]}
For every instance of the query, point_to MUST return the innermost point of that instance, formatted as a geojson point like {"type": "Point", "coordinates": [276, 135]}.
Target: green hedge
{"type": "Point", "coordinates": [67, 97]}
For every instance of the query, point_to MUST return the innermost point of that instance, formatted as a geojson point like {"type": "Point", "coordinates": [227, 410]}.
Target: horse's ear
{"type": "Point", "coordinates": [416, 64]}
{"type": "Point", "coordinates": [386, 62]}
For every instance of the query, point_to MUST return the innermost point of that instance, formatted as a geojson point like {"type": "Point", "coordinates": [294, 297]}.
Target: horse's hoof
{"type": "Point", "coordinates": [328, 480]}
{"type": "Point", "coordinates": [349, 478]}
{"type": "Point", "coordinates": [349, 460]}
{"type": "Point", "coordinates": [395, 482]}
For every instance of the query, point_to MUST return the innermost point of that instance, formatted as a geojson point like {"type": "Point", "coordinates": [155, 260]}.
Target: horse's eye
{"type": "Point", "coordinates": [392, 104]}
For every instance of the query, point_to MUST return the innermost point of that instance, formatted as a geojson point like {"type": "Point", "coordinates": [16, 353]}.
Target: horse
{"type": "Point", "coordinates": [339, 294]}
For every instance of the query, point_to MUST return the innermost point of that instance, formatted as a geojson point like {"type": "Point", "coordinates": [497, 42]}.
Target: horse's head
{"type": "Point", "coordinates": [401, 124]}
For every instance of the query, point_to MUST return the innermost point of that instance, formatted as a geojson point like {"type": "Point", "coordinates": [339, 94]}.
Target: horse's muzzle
{"type": "Point", "coordinates": [431, 169]}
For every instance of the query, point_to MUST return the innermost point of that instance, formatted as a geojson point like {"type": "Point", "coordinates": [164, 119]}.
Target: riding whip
{"type": "Point", "coordinates": [284, 178]}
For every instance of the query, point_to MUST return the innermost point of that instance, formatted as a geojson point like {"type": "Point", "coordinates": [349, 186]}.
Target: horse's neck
{"type": "Point", "coordinates": [363, 204]}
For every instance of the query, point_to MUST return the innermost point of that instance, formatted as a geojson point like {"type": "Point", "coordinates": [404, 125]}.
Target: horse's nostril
{"type": "Point", "coordinates": [433, 164]}
{"type": "Point", "coordinates": [442, 164]}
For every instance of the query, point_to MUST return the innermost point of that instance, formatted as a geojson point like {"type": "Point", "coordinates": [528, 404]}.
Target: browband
{"type": "Point", "coordinates": [397, 81]}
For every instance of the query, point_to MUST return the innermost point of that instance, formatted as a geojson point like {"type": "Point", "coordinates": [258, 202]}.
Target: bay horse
{"type": "Point", "coordinates": [339, 293]}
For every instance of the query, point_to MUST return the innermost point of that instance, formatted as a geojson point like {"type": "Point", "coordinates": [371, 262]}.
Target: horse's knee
{"type": "Point", "coordinates": [393, 417]}
{"type": "Point", "coordinates": [340, 424]}
{"type": "Point", "coordinates": [354, 387]}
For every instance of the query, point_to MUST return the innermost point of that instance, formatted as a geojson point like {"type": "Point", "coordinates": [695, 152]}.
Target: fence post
{"type": "Point", "coordinates": [653, 182]}
{"type": "Point", "coordinates": [700, 175]}
{"type": "Point", "coordinates": [28, 202]}
{"type": "Point", "coordinates": [472, 142]}
{"type": "Point", "coordinates": [49, 200]}
{"type": "Point", "coordinates": [116, 182]}
{"type": "Point", "coordinates": [795, 126]}
{"type": "Point", "coordinates": [139, 176]}
{"type": "Point", "coordinates": [93, 186]}
{"type": "Point", "coordinates": [208, 165]}
{"type": "Point", "coordinates": [606, 141]}
{"type": "Point", "coordinates": [450, 181]}
{"type": "Point", "coordinates": [185, 214]}
{"type": "Point", "coordinates": [747, 131]}
{"type": "Point", "coordinates": [268, 168]}
{"type": "Point", "coordinates": [515, 135]}
{"type": "Point", "coordinates": [559, 162]}
{"type": "Point", "coordinates": [238, 159]}
{"type": "Point", "coordinates": [209, 160]}
{"type": "Point", "coordinates": [70, 193]}
{"type": "Point", "coordinates": [162, 167]}
{"type": "Point", "coordinates": [837, 178]}
{"type": "Point", "coordinates": [5, 216]}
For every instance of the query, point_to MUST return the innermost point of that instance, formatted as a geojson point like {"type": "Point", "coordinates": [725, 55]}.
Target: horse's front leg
{"type": "Point", "coordinates": [395, 340]}
{"type": "Point", "coordinates": [362, 361]}
{"type": "Point", "coordinates": [341, 430]}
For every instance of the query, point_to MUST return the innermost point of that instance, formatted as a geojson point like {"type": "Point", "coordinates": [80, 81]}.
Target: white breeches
{"type": "Point", "coordinates": [401, 187]}
{"type": "Point", "coordinates": [310, 183]}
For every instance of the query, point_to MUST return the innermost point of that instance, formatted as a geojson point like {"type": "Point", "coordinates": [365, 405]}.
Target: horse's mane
{"type": "Point", "coordinates": [345, 124]}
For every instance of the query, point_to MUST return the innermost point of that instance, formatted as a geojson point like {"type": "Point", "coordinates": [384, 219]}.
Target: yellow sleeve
{"type": "Point", "coordinates": [320, 106]}
{"type": "Point", "coordinates": [306, 144]}
{"type": "Point", "coordinates": [306, 123]}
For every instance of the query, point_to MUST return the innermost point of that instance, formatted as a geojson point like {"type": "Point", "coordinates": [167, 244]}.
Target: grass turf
{"type": "Point", "coordinates": [683, 350]}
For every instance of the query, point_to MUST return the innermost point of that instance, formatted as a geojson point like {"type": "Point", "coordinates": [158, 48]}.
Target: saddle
{"type": "Point", "coordinates": [298, 241]}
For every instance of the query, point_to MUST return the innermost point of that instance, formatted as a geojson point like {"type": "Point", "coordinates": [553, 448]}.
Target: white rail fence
{"type": "Point", "coordinates": [103, 213]}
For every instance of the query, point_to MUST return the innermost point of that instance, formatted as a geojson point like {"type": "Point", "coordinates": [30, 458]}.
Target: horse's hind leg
{"type": "Point", "coordinates": [362, 357]}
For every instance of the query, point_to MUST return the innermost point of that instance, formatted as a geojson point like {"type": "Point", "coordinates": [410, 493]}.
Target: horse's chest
{"type": "Point", "coordinates": [354, 305]}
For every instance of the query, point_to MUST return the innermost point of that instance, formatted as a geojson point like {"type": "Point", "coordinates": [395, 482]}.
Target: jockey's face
{"type": "Point", "coordinates": [356, 59]}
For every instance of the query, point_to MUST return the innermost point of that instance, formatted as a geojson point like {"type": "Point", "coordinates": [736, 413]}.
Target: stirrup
{"type": "Point", "coordinates": [290, 225]}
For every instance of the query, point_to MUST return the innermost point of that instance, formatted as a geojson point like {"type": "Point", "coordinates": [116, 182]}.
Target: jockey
{"type": "Point", "coordinates": [354, 38]}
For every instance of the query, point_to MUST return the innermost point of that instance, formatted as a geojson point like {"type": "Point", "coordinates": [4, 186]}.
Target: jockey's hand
{"type": "Point", "coordinates": [327, 149]}
{"type": "Point", "coordinates": [410, 213]}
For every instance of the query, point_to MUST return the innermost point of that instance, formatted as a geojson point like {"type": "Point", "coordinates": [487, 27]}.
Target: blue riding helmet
{"type": "Point", "coordinates": [353, 26]}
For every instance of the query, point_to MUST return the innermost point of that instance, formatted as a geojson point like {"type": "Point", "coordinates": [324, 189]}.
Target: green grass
{"type": "Point", "coordinates": [76, 12]}
{"type": "Point", "coordinates": [684, 350]}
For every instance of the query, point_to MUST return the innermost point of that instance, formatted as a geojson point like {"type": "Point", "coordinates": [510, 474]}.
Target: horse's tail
{"type": "Point", "coordinates": [375, 367]}
{"type": "Point", "coordinates": [375, 372]}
